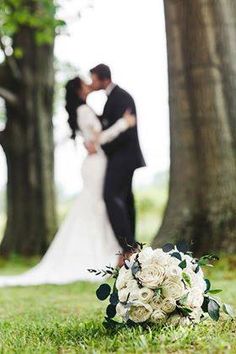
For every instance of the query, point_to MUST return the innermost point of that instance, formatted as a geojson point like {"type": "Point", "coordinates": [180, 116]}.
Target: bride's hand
{"type": "Point", "coordinates": [130, 118]}
{"type": "Point", "coordinates": [90, 147]}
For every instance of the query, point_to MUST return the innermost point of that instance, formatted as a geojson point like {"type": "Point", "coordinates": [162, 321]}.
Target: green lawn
{"type": "Point", "coordinates": [68, 319]}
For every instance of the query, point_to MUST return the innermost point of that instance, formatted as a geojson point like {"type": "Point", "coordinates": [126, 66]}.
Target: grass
{"type": "Point", "coordinates": [68, 319]}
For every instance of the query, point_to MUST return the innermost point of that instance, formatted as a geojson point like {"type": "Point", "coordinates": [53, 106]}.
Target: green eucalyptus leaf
{"type": "Point", "coordinates": [103, 292]}
{"type": "Point", "coordinates": [182, 246]}
{"type": "Point", "coordinates": [114, 298]}
{"type": "Point", "coordinates": [208, 285]}
{"type": "Point", "coordinates": [214, 291]}
{"type": "Point", "coordinates": [111, 311]}
{"type": "Point", "coordinates": [135, 268]}
{"type": "Point", "coordinates": [228, 310]}
{"type": "Point", "coordinates": [205, 304]}
{"type": "Point", "coordinates": [168, 247]}
{"type": "Point", "coordinates": [186, 279]}
{"type": "Point", "coordinates": [183, 299]}
{"type": "Point", "coordinates": [183, 264]}
{"type": "Point", "coordinates": [214, 309]}
{"type": "Point", "coordinates": [176, 255]}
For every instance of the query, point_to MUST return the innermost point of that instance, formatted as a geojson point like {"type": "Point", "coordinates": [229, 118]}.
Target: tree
{"type": "Point", "coordinates": [201, 37]}
{"type": "Point", "coordinates": [27, 29]}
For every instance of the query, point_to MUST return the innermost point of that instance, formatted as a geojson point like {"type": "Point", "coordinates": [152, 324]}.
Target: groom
{"type": "Point", "coordinates": [124, 157]}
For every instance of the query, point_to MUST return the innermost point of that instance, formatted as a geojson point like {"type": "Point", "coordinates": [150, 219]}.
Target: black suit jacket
{"type": "Point", "coordinates": [126, 146]}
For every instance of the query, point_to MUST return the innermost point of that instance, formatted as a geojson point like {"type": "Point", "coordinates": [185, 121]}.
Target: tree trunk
{"type": "Point", "coordinates": [28, 145]}
{"type": "Point", "coordinates": [201, 206]}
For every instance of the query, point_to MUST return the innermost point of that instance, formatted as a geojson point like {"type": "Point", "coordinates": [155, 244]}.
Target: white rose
{"type": "Point", "coordinates": [133, 289]}
{"type": "Point", "coordinates": [151, 275]}
{"type": "Point", "coordinates": [132, 285]}
{"type": "Point", "coordinates": [173, 288]}
{"type": "Point", "coordinates": [189, 260]}
{"type": "Point", "coordinates": [145, 294]}
{"type": "Point", "coordinates": [127, 294]}
{"type": "Point", "coordinates": [124, 276]}
{"type": "Point", "coordinates": [139, 312]}
{"type": "Point", "coordinates": [155, 302]}
{"type": "Point", "coordinates": [168, 305]}
{"type": "Point", "coordinates": [145, 256]}
{"type": "Point", "coordinates": [161, 257]}
{"type": "Point", "coordinates": [200, 273]}
{"type": "Point", "coordinates": [121, 310]}
{"type": "Point", "coordinates": [195, 315]}
{"type": "Point", "coordinates": [195, 298]}
{"type": "Point", "coordinates": [174, 261]}
{"type": "Point", "coordinates": [200, 283]}
{"type": "Point", "coordinates": [174, 319]}
{"type": "Point", "coordinates": [158, 316]}
{"type": "Point", "coordinates": [194, 278]}
{"type": "Point", "coordinates": [173, 271]}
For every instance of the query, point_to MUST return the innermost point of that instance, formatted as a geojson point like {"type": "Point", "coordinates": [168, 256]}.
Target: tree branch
{"type": "Point", "coordinates": [8, 96]}
{"type": "Point", "coordinates": [11, 62]}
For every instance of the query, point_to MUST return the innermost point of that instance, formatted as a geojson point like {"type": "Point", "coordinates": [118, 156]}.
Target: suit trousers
{"type": "Point", "coordinates": [119, 200]}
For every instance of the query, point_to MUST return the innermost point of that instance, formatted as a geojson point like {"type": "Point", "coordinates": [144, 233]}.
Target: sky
{"type": "Point", "coordinates": [129, 36]}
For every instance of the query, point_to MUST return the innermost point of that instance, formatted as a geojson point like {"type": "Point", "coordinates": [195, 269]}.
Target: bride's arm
{"type": "Point", "coordinates": [110, 134]}
{"type": "Point", "coordinates": [88, 123]}
{"type": "Point", "coordinates": [90, 126]}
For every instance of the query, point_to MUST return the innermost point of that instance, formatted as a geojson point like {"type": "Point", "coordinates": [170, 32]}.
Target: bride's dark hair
{"type": "Point", "coordinates": [73, 101]}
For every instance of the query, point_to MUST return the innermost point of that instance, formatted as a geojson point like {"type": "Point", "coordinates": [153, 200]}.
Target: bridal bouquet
{"type": "Point", "coordinates": [160, 286]}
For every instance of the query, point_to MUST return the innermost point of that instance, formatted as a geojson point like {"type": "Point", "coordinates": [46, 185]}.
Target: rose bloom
{"type": "Point", "coordinates": [132, 285]}
{"type": "Point", "coordinates": [126, 293]}
{"type": "Point", "coordinates": [158, 316]}
{"type": "Point", "coordinates": [155, 302]}
{"type": "Point", "coordinates": [139, 312]}
{"type": "Point", "coordinates": [145, 294]}
{"type": "Point", "coordinates": [195, 298]}
{"type": "Point", "coordinates": [174, 319]}
{"type": "Point", "coordinates": [151, 275]}
{"type": "Point", "coordinates": [145, 256]}
{"type": "Point", "coordinates": [124, 276]}
{"type": "Point", "coordinates": [121, 310]}
{"type": "Point", "coordinates": [168, 305]}
{"type": "Point", "coordinates": [195, 315]}
{"type": "Point", "coordinates": [174, 271]}
{"type": "Point", "coordinates": [173, 288]}
{"type": "Point", "coordinates": [196, 280]}
{"type": "Point", "coordinates": [161, 257]}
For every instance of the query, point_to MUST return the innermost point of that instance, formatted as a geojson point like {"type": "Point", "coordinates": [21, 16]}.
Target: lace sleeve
{"type": "Point", "coordinates": [114, 131]}
{"type": "Point", "coordinates": [88, 122]}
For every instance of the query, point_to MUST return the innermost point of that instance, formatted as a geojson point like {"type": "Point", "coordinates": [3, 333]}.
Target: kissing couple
{"type": "Point", "coordinates": [100, 227]}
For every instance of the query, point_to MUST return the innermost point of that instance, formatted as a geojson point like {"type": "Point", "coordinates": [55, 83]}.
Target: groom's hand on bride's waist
{"type": "Point", "coordinates": [90, 147]}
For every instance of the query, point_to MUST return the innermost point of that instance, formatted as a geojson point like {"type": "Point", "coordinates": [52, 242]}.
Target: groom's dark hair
{"type": "Point", "coordinates": [102, 71]}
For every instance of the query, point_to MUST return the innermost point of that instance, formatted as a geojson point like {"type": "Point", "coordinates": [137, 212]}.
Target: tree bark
{"type": "Point", "coordinates": [201, 206]}
{"type": "Point", "coordinates": [28, 145]}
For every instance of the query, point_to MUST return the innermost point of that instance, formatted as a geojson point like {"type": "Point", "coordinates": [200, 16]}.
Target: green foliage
{"type": "Point", "coordinates": [103, 292]}
{"type": "Point", "coordinates": [38, 15]}
{"type": "Point", "coordinates": [68, 319]}
{"type": "Point", "coordinates": [186, 279]}
{"type": "Point", "coordinates": [214, 309]}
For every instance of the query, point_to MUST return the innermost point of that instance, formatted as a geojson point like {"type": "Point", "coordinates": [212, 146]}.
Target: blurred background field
{"type": "Point", "coordinates": [150, 203]}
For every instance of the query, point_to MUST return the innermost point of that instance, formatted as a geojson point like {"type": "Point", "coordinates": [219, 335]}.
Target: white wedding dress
{"type": "Point", "coordinates": [85, 240]}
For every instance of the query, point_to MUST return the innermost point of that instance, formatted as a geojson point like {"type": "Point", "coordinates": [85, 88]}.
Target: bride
{"type": "Point", "coordinates": [85, 240]}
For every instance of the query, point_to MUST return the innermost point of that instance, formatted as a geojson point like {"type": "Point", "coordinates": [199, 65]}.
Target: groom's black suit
{"type": "Point", "coordinates": [124, 156]}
